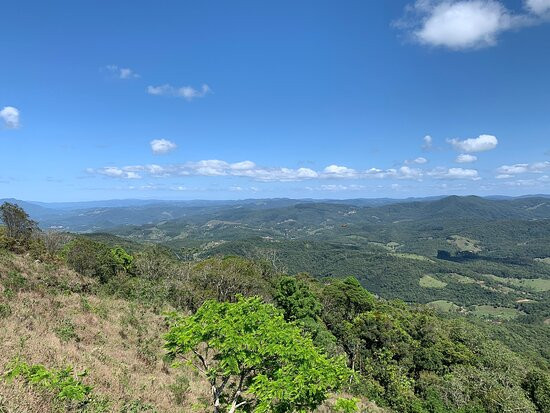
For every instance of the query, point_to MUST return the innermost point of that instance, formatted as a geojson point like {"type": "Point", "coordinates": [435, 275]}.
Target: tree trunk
{"type": "Point", "coordinates": [234, 405]}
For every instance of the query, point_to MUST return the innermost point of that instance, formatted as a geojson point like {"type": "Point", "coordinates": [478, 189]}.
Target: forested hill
{"type": "Point", "coordinates": [90, 327]}
{"type": "Point", "coordinates": [88, 216]}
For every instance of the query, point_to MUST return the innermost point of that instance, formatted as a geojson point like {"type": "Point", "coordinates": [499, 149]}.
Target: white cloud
{"type": "Point", "coordinates": [381, 173]}
{"type": "Point", "coordinates": [211, 167]}
{"type": "Point", "coordinates": [461, 24]}
{"type": "Point", "coordinates": [406, 172]}
{"type": "Point", "coordinates": [504, 176]}
{"type": "Point", "coordinates": [121, 72]}
{"type": "Point", "coordinates": [10, 116]}
{"type": "Point", "coordinates": [522, 168]}
{"type": "Point", "coordinates": [337, 171]}
{"type": "Point", "coordinates": [518, 168]}
{"type": "Point", "coordinates": [461, 173]}
{"type": "Point", "coordinates": [428, 142]}
{"type": "Point", "coordinates": [454, 173]}
{"type": "Point", "coordinates": [420, 160]}
{"type": "Point", "coordinates": [244, 165]}
{"type": "Point", "coordinates": [539, 166]}
{"type": "Point", "coordinates": [479, 144]}
{"type": "Point", "coordinates": [336, 188]}
{"type": "Point", "coordinates": [467, 24]}
{"type": "Point", "coordinates": [187, 92]}
{"type": "Point", "coordinates": [540, 7]}
{"type": "Point", "coordinates": [115, 172]}
{"type": "Point", "coordinates": [465, 158]}
{"type": "Point", "coordinates": [249, 169]}
{"type": "Point", "coordinates": [162, 146]}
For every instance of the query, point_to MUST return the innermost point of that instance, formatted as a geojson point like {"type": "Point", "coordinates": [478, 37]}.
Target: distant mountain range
{"type": "Point", "coordinates": [92, 216]}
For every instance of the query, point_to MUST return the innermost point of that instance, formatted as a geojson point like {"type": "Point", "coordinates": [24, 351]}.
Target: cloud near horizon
{"type": "Point", "coordinates": [510, 171]}
{"type": "Point", "coordinates": [249, 169]}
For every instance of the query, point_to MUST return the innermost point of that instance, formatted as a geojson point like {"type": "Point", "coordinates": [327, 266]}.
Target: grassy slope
{"type": "Point", "coordinates": [54, 322]}
{"type": "Point", "coordinates": [53, 317]}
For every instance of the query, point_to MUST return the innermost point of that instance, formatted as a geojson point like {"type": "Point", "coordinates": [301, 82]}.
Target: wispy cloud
{"type": "Point", "coordinates": [115, 172]}
{"type": "Point", "coordinates": [420, 160]}
{"type": "Point", "coordinates": [121, 72]}
{"type": "Point", "coordinates": [10, 117]}
{"type": "Point", "coordinates": [186, 92]}
{"type": "Point", "coordinates": [427, 142]}
{"type": "Point", "coordinates": [162, 146]}
{"type": "Point", "coordinates": [509, 171]}
{"type": "Point", "coordinates": [338, 188]}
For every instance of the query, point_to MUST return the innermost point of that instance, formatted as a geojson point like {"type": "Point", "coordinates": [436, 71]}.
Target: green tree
{"type": "Point", "coordinates": [537, 385]}
{"type": "Point", "coordinates": [254, 360]}
{"type": "Point", "coordinates": [343, 301]}
{"type": "Point", "coordinates": [122, 259]}
{"type": "Point", "coordinates": [296, 299]}
{"type": "Point", "coordinates": [18, 224]}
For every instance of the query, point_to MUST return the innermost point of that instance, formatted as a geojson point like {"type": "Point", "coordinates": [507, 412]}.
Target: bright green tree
{"type": "Point", "coordinates": [296, 299]}
{"type": "Point", "coordinates": [122, 260]}
{"type": "Point", "coordinates": [254, 360]}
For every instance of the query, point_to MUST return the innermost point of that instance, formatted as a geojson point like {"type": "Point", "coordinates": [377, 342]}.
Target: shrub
{"type": "Point", "coordinates": [5, 310]}
{"type": "Point", "coordinates": [90, 258]}
{"type": "Point", "coordinates": [66, 331]}
{"type": "Point", "coordinates": [180, 388]}
{"type": "Point", "coordinates": [62, 383]}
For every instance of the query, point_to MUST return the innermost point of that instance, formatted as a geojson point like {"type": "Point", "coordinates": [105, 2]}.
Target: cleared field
{"type": "Point", "coordinates": [504, 313]}
{"type": "Point", "coordinates": [533, 284]}
{"type": "Point", "coordinates": [411, 256]}
{"type": "Point", "coordinates": [444, 305]}
{"type": "Point", "coordinates": [461, 279]}
{"type": "Point", "coordinates": [464, 244]}
{"type": "Point", "coordinates": [428, 281]}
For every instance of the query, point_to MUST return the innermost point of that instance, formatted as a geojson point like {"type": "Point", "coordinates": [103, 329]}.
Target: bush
{"type": "Point", "coordinates": [62, 383]}
{"type": "Point", "coordinates": [180, 388]}
{"type": "Point", "coordinates": [66, 331]}
{"type": "Point", "coordinates": [90, 258]}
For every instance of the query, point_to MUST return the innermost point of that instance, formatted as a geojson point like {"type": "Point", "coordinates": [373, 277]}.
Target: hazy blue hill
{"type": "Point", "coordinates": [282, 214]}
{"type": "Point", "coordinates": [36, 211]}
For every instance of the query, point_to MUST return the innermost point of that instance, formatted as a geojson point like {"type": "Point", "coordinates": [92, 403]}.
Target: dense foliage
{"type": "Point", "coordinates": [253, 359]}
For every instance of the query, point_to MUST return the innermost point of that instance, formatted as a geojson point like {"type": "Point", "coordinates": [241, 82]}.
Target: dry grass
{"type": "Point", "coordinates": [117, 342]}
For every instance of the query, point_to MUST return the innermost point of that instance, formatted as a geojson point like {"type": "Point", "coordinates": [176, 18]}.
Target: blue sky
{"type": "Point", "coordinates": [240, 99]}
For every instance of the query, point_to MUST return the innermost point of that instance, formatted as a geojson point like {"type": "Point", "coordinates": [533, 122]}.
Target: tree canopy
{"type": "Point", "coordinates": [254, 360]}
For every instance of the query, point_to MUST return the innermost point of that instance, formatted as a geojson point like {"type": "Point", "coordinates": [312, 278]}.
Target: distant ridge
{"type": "Point", "coordinates": [103, 215]}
